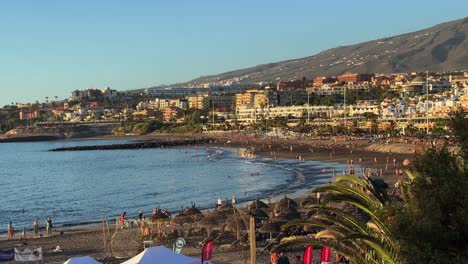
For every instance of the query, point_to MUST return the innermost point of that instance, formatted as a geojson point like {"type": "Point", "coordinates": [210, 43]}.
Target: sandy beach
{"type": "Point", "coordinates": [127, 243]}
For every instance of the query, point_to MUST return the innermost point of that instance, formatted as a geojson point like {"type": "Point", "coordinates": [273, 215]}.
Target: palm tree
{"type": "Point", "coordinates": [363, 237]}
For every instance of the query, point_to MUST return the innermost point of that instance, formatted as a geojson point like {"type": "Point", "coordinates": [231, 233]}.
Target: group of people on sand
{"type": "Point", "coordinates": [164, 212]}
{"type": "Point", "coordinates": [48, 226]}
{"type": "Point", "coordinates": [219, 202]}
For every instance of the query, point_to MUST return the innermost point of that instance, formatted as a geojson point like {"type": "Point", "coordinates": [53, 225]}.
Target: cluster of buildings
{"type": "Point", "coordinates": [416, 96]}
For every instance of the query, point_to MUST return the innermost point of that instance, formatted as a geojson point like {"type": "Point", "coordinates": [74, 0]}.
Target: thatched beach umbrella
{"type": "Point", "coordinates": [348, 208]}
{"type": "Point", "coordinates": [259, 214]}
{"type": "Point", "coordinates": [246, 219]}
{"type": "Point", "coordinates": [156, 217]}
{"type": "Point", "coordinates": [325, 197]}
{"type": "Point", "coordinates": [192, 211]}
{"type": "Point", "coordinates": [257, 204]}
{"type": "Point", "coordinates": [313, 211]}
{"type": "Point", "coordinates": [281, 219]}
{"type": "Point", "coordinates": [290, 212]}
{"type": "Point", "coordinates": [224, 213]}
{"type": "Point", "coordinates": [224, 207]}
{"type": "Point", "coordinates": [232, 226]}
{"type": "Point", "coordinates": [212, 220]}
{"type": "Point", "coordinates": [309, 200]}
{"type": "Point", "coordinates": [182, 219]}
{"type": "Point", "coordinates": [215, 218]}
{"type": "Point", "coordinates": [271, 227]}
{"type": "Point", "coordinates": [286, 202]}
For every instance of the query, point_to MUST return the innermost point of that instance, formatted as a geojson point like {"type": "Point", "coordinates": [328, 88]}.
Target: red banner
{"type": "Point", "coordinates": [308, 254]}
{"type": "Point", "coordinates": [207, 252]}
{"type": "Point", "coordinates": [326, 255]}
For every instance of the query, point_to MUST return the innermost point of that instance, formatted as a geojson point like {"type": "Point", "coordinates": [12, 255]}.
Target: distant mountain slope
{"type": "Point", "coordinates": [443, 47]}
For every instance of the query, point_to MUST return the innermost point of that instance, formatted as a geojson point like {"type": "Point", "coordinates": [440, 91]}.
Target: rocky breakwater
{"type": "Point", "coordinates": [138, 145]}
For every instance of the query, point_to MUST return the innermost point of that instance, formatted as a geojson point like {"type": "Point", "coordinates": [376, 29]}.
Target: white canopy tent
{"type": "Point", "coordinates": [82, 260]}
{"type": "Point", "coordinates": [161, 255]}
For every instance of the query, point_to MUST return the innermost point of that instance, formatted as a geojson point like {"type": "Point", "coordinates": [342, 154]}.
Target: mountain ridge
{"type": "Point", "coordinates": [443, 47]}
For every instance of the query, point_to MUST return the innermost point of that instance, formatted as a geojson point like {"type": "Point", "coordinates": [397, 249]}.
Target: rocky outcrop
{"type": "Point", "coordinates": [55, 132]}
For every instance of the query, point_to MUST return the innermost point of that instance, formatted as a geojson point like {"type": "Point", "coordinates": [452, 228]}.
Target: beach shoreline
{"type": "Point", "coordinates": [276, 149]}
{"type": "Point", "coordinates": [87, 239]}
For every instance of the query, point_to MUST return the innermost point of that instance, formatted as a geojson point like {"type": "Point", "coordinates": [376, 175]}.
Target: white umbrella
{"type": "Point", "coordinates": [82, 260]}
{"type": "Point", "coordinates": [161, 255]}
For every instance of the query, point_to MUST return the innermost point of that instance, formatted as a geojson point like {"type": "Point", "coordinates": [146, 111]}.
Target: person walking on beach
{"type": "Point", "coordinates": [233, 200]}
{"type": "Point", "coordinates": [11, 231]}
{"type": "Point", "coordinates": [219, 203]}
{"type": "Point", "coordinates": [48, 225]}
{"type": "Point", "coordinates": [140, 215]}
{"type": "Point", "coordinates": [122, 219]}
{"type": "Point", "coordinates": [36, 227]}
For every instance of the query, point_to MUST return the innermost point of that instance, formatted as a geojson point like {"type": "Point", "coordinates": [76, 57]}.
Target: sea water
{"type": "Point", "coordinates": [79, 187]}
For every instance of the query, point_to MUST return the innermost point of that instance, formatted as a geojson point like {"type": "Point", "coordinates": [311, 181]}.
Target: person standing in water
{"type": "Point", "coordinates": [36, 227]}
{"type": "Point", "coordinates": [11, 231]}
{"type": "Point", "coordinates": [140, 215]}
{"type": "Point", "coordinates": [48, 225]}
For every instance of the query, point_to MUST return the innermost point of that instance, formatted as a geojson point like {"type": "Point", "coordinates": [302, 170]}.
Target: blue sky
{"type": "Point", "coordinates": [49, 48]}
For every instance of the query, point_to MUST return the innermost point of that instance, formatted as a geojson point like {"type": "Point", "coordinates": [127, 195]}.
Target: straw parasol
{"type": "Point", "coordinates": [270, 227]}
{"type": "Point", "coordinates": [181, 219]}
{"type": "Point", "coordinates": [246, 219]}
{"type": "Point", "coordinates": [257, 204]}
{"type": "Point", "coordinates": [290, 212]}
{"type": "Point", "coordinates": [309, 200]}
{"type": "Point", "coordinates": [313, 212]}
{"type": "Point", "coordinates": [213, 219]}
{"type": "Point", "coordinates": [259, 214]}
{"type": "Point", "coordinates": [156, 217]}
{"type": "Point", "coordinates": [281, 219]}
{"type": "Point", "coordinates": [192, 211]}
{"type": "Point", "coordinates": [224, 207]}
{"type": "Point", "coordinates": [223, 212]}
{"type": "Point", "coordinates": [209, 221]}
{"type": "Point", "coordinates": [286, 202]}
{"type": "Point", "coordinates": [232, 226]}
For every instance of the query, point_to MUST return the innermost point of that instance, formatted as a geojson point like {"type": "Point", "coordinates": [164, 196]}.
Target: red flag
{"type": "Point", "coordinates": [326, 255]}
{"type": "Point", "coordinates": [207, 252]}
{"type": "Point", "coordinates": [308, 254]}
